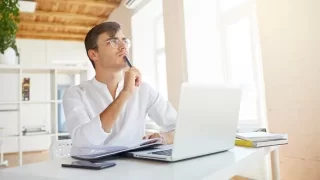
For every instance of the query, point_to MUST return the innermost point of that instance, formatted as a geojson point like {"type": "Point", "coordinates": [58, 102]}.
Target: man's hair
{"type": "Point", "coordinates": [90, 42]}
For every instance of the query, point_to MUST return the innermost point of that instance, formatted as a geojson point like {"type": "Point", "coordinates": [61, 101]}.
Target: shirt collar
{"type": "Point", "coordinates": [101, 85]}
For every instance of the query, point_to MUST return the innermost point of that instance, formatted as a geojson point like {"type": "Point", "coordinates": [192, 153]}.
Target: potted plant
{"type": "Point", "coordinates": [9, 19]}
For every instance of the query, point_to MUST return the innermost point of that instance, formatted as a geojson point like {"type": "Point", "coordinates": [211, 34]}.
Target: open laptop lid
{"type": "Point", "coordinates": [207, 119]}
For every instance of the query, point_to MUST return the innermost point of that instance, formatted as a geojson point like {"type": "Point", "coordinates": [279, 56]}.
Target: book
{"type": "Point", "coordinates": [103, 151]}
{"type": "Point", "coordinates": [34, 128]}
{"type": "Point", "coordinates": [33, 133]}
{"type": "Point", "coordinates": [260, 136]}
{"type": "Point", "coordinates": [255, 144]}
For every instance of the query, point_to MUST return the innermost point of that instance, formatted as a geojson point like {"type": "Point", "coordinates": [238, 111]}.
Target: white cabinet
{"type": "Point", "coordinates": [66, 52]}
{"type": "Point", "coordinates": [47, 64]}
{"type": "Point", "coordinates": [40, 109]}
{"type": "Point", "coordinates": [32, 51]}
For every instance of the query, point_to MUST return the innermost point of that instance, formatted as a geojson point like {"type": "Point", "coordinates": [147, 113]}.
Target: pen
{"type": "Point", "coordinates": [128, 62]}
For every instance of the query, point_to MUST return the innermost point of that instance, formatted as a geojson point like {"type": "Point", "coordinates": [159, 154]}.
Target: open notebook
{"type": "Point", "coordinates": [102, 151]}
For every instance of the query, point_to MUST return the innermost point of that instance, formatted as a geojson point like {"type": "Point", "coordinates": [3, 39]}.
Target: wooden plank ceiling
{"type": "Point", "coordinates": [64, 19]}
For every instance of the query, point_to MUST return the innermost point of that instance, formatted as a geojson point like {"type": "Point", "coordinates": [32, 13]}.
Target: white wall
{"type": "Point", "coordinates": [290, 38]}
{"type": "Point", "coordinates": [122, 15]}
{"type": "Point", "coordinates": [175, 51]}
{"type": "Point", "coordinates": [51, 51]}
{"type": "Point", "coordinates": [36, 52]}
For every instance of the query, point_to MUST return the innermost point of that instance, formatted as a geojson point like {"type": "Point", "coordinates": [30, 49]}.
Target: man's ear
{"type": "Point", "coordinates": [93, 55]}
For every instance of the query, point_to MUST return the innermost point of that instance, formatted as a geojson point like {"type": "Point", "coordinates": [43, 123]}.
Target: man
{"type": "Point", "coordinates": [111, 108]}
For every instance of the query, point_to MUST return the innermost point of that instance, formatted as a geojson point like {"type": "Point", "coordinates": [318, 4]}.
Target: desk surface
{"type": "Point", "coordinates": [216, 166]}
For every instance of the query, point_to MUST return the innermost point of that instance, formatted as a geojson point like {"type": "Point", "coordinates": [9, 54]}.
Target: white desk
{"type": "Point", "coordinates": [217, 166]}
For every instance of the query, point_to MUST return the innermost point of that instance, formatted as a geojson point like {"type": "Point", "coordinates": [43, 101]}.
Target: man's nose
{"type": "Point", "coordinates": [122, 46]}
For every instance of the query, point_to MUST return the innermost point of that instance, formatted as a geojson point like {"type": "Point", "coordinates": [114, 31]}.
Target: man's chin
{"type": "Point", "coordinates": [122, 66]}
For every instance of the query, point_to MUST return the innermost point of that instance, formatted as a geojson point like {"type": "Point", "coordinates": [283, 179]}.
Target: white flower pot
{"type": "Point", "coordinates": [9, 57]}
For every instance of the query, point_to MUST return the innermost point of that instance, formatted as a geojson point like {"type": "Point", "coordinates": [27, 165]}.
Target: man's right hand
{"type": "Point", "coordinates": [132, 79]}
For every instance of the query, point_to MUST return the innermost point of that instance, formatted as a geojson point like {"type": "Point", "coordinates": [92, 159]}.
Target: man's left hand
{"type": "Point", "coordinates": [154, 136]}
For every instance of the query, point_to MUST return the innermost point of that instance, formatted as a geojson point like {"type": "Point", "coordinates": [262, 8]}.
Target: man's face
{"type": "Point", "coordinates": [111, 51]}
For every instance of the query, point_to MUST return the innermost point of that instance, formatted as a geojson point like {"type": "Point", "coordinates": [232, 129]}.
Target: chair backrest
{"type": "Point", "coordinates": [60, 149]}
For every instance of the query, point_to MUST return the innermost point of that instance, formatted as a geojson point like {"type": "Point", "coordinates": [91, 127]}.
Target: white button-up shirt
{"type": "Point", "coordinates": [84, 103]}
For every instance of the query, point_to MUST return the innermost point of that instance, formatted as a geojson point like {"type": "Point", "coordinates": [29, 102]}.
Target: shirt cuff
{"type": "Point", "coordinates": [168, 128]}
{"type": "Point", "coordinates": [94, 132]}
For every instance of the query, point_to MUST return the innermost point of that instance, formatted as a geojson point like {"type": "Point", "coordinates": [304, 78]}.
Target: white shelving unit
{"type": "Point", "coordinates": [2, 161]}
{"type": "Point", "coordinates": [53, 72]}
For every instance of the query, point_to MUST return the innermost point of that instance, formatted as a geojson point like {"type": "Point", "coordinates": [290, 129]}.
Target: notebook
{"type": "Point", "coordinates": [260, 136]}
{"type": "Point", "coordinates": [102, 151]}
{"type": "Point", "coordinates": [254, 144]}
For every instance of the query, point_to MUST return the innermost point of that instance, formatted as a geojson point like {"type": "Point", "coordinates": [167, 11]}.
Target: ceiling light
{"type": "Point", "coordinates": [27, 6]}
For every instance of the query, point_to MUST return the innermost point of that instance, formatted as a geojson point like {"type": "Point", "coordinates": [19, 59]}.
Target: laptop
{"type": "Point", "coordinates": [206, 123]}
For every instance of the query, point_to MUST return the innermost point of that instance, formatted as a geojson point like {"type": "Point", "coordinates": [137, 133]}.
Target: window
{"type": "Point", "coordinates": [148, 50]}
{"type": "Point", "coordinates": [222, 41]}
{"type": "Point", "coordinates": [160, 61]}
{"type": "Point", "coordinates": [62, 126]}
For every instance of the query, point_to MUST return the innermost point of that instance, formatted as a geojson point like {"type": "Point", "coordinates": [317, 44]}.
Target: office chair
{"type": "Point", "coordinates": [60, 149]}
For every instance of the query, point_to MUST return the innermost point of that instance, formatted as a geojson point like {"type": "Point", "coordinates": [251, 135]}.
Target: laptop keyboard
{"type": "Point", "coordinates": [164, 152]}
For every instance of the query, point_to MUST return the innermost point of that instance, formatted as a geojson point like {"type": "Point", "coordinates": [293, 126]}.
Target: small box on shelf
{"type": "Point", "coordinates": [34, 130]}
{"type": "Point", "coordinates": [26, 89]}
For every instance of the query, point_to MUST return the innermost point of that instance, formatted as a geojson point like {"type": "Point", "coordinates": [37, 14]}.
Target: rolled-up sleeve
{"type": "Point", "coordinates": [83, 130]}
{"type": "Point", "coordinates": [161, 111]}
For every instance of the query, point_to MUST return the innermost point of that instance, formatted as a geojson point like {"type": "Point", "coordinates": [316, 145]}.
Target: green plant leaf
{"type": "Point", "coordinates": [9, 19]}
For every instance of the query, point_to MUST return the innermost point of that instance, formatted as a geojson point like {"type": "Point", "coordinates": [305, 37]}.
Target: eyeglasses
{"type": "Point", "coordinates": [115, 42]}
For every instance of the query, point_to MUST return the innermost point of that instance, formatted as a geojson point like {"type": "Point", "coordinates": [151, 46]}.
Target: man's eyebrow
{"type": "Point", "coordinates": [111, 38]}
{"type": "Point", "coordinates": [116, 38]}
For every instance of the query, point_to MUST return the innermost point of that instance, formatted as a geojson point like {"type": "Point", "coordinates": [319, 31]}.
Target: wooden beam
{"type": "Point", "coordinates": [65, 15]}
{"type": "Point", "coordinates": [50, 34]}
{"type": "Point", "coordinates": [55, 25]}
{"type": "Point", "coordinates": [49, 38]}
{"type": "Point", "coordinates": [102, 3]}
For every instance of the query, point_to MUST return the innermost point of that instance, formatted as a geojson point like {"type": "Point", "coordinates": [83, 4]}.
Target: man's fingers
{"type": "Point", "coordinates": [152, 136]}
{"type": "Point", "coordinates": [155, 135]}
{"type": "Point", "coordinates": [138, 80]}
{"type": "Point", "coordinates": [137, 74]}
{"type": "Point", "coordinates": [146, 137]}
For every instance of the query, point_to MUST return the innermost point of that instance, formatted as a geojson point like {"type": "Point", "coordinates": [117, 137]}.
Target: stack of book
{"type": "Point", "coordinates": [34, 130]}
{"type": "Point", "coordinates": [260, 139]}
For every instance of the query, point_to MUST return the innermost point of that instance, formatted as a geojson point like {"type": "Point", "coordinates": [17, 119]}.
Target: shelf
{"type": "Point", "coordinates": [9, 67]}
{"type": "Point", "coordinates": [41, 68]}
{"type": "Point", "coordinates": [30, 102]}
{"type": "Point", "coordinates": [63, 134]}
{"type": "Point", "coordinates": [8, 102]}
{"type": "Point", "coordinates": [9, 110]}
{"type": "Point", "coordinates": [38, 135]}
{"type": "Point", "coordinates": [10, 136]}
{"type": "Point", "coordinates": [38, 102]}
